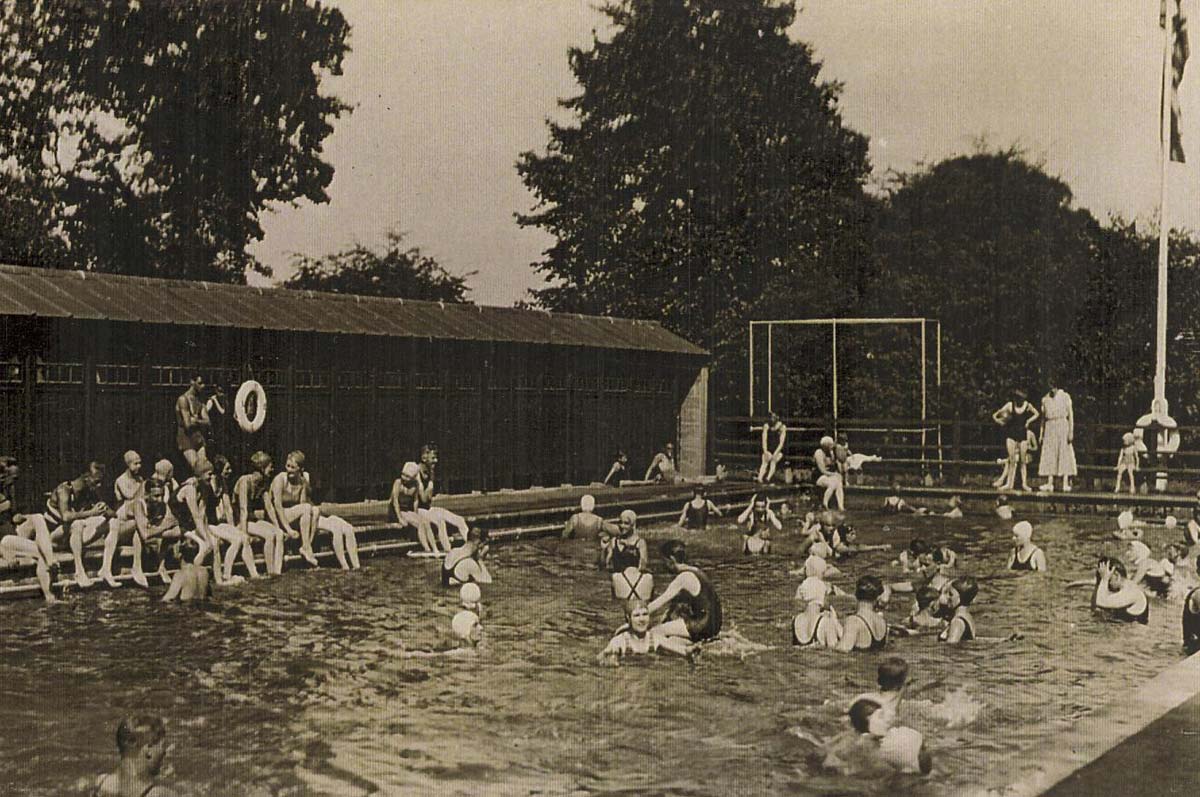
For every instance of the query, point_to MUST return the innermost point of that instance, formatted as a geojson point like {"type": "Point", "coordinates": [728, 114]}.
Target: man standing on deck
{"type": "Point", "coordinates": [192, 422]}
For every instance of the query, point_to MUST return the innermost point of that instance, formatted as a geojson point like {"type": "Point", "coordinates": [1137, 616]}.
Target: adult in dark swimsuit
{"type": "Point", "coordinates": [866, 629]}
{"type": "Point", "coordinates": [464, 564]}
{"type": "Point", "coordinates": [627, 558]}
{"type": "Point", "coordinates": [1016, 417]}
{"type": "Point", "coordinates": [25, 537]}
{"type": "Point", "coordinates": [1025, 555]}
{"type": "Point", "coordinates": [694, 516]}
{"type": "Point", "coordinates": [1191, 618]}
{"type": "Point", "coordinates": [956, 601]}
{"type": "Point", "coordinates": [192, 423]}
{"type": "Point", "coordinates": [693, 608]}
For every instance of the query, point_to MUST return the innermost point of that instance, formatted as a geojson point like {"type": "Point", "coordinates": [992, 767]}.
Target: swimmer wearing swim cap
{"type": "Point", "coordinates": [627, 559]}
{"type": "Point", "coordinates": [1025, 556]}
{"type": "Point", "coordinates": [585, 524]}
{"type": "Point", "coordinates": [465, 563]}
{"type": "Point", "coordinates": [637, 637]}
{"type": "Point", "coordinates": [467, 627]}
{"type": "Point", "coordinates": [818, 624]}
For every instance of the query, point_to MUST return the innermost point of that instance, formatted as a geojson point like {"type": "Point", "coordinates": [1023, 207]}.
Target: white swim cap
{"type": "Point", "coordinates": [1023, 530]}
{"type": "Point", "coordinates": [1171, 522]}
{"type": "Point", "coordinates": [1124, 520]}
{"type": "Point", "coordinates": [629, 516]}
{"type": "Point", "coordinates": [826, 441]}
{"type": "Point", "coordinates": [815, 566]}
{"type": "Point", "coordinates": [587, 503]}
{"type": "Point", "coordinates": [464, 623]}
{"type": "Point", "coordinates": [1138, 552]}
{"type": "Point", "coordinates": [470, 593]}
{"type": "Point", "coordinates": [821, 550]}
{"type": "Point", "coordinates": [410, 470]}
{"type": "Point", "coordinates": [812, 589]}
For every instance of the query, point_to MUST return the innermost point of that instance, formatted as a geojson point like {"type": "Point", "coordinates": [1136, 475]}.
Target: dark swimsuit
{"type": "Point", "coordinates": [1191, 624]}
{"type": "Point", "coordinates": [1124, 616]}
{"type": "Point", "coordinates": [816, 627]}
{"type": "Point", "coordinates": [1159, 585]}
{"type": "Point", "coordinates": [7, 526]}
{"type": "Point", "coordinates": [877, 643]}
{"type": "Point", "coordinates": [452, 572]}
{"type": "Point", "coordinates": [696, 518]}
{"type": "Point", "coordinates": [1014, 427]}
{"type": "Point", "coordinates": [968, 630]}
{"type": "Point", "coordinates": [701, 613]}
{"type": "Point", "coordinates": [623, 556]}
{"type": "Point", "coordinates": [1024, 564]}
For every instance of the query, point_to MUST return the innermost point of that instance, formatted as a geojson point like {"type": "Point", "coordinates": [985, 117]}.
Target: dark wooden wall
{"type": "Point", "coordinates": [502, 414]}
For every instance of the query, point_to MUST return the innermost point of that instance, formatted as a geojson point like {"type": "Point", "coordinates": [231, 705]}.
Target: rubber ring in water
{"type": "Point", "coordinates": [260, 406]}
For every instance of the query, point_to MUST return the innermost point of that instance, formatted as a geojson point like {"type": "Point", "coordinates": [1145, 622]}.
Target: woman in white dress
{"type": "Point", "coordinates": [1058, 438]}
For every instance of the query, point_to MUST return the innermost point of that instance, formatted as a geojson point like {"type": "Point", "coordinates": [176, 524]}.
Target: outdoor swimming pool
{"type": "Point", "coordinates": [312, 683]}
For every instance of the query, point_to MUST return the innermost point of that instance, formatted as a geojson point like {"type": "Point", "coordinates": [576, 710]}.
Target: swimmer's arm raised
{"type": "Point", "coordinates": [742, 518]}
{"type": "Point", "coordinates": [668, 594]}
{"type": "Point", "coordinates": [774, 520]}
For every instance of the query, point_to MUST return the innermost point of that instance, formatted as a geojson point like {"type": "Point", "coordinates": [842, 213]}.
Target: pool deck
{"type": "Point", "coordinates": [1145, 744]}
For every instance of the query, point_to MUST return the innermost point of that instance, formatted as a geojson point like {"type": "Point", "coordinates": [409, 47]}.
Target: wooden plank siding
{"type": "Point", "coordinates": [504, 415]}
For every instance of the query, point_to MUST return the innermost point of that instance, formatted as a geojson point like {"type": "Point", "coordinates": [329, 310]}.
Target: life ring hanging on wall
{"type": "Point", "coordinates": [250, 389]}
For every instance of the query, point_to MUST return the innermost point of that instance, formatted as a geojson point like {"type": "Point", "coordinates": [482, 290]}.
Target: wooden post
{"type": "Point", "coordinates": [957, 442]}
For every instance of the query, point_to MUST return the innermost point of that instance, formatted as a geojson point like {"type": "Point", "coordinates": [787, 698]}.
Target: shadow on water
{"type": "Point", "coordinates": [324, 683]}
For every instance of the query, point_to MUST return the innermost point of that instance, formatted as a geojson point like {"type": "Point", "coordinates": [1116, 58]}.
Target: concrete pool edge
{"type": "Point", "coordinates": [1101, 731]}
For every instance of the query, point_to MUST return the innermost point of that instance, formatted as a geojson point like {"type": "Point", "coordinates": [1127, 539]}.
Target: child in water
{"type": "Point", "coordinates": [636, 637]}
{"type": "Point", "coordinates": [874, 744]}
{"type": "Point", "coordinates": [467, 625]}
{"type": "Point", "coordinates": [923, 617]}
{"type": "Point", "coordinates": [1002, 509]}
{"type": "Point", "coordinates": [845, 542]}
{"type": "Point", "coordinates": [1120, 598]}
{"type": "Point", "coordinates": [892, 677]}
{"type": "Point", "coordinates": [817, 625]}
{"type": "Point", "coordinates": [953, 508]}
{"type": "Point", "coordinates": [895, 504]}
{"type": "Point", "coordinates": [1127, 463]}
{"type": "Point", "coordinates": [142, 743]}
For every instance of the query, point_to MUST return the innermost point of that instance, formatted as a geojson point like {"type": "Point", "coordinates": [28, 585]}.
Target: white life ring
{"type": "Point", "coordinates": [260, 406]}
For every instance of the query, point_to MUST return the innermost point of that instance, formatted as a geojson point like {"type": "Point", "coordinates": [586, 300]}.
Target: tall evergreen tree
{"type": "Point", "coordinates": [705, 161]}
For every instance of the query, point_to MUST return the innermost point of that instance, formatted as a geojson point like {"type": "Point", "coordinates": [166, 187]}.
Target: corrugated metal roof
{"type": "Point", "coordinates": [51, 293]}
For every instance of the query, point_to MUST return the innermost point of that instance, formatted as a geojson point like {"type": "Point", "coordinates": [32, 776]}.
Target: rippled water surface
{"type": "Point", "coordinates": [322, 683]}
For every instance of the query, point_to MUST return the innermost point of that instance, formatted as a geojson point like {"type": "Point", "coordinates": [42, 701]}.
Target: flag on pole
{"type": "Point", "coordinates": [1179, 56]}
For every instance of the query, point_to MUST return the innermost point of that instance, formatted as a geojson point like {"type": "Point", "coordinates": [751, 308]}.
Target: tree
{"type": "Point", "coordinates": [396, 271]}
{"type": "Point", "coordinates": [704, 163]}
{"type": "Point", "coordinates": [992, 246]}
{"type": "Point", "coordinates": [149, 136]}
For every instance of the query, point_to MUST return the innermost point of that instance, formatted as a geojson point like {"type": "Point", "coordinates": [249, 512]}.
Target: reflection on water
{"type": "Point", "coordinates": [325, 683]}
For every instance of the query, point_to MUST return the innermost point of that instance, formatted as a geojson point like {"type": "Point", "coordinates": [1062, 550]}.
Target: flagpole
{"type": "Point", "coordinates": [1160, 358]}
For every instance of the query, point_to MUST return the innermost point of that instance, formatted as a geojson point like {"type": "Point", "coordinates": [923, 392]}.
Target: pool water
{"type": "Point", "coordinates": [324, 683]}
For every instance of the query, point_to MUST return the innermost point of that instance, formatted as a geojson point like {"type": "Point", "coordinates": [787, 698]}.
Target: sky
{"type": "Point", "coordinates": [447, 94]}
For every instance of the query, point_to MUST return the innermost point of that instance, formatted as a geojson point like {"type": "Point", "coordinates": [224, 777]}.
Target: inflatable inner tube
{"type": "Point", "coordinates": [250, 406]}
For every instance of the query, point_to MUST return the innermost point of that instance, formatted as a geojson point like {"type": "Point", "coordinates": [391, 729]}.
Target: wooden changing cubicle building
{"type": "Point", "coordinates": [91, 365]}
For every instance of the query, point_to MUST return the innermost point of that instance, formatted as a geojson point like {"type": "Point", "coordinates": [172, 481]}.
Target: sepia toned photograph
{"type": "Point", "coordinates": [696, 398]}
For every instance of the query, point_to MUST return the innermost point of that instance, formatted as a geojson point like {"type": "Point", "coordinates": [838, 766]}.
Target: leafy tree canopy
{"type": "Point", "coordinates": [147, 137]}
{"type": "Point", "coordinates": [396, 271]}
{"type": "Point", "coordinates": [704, 161]}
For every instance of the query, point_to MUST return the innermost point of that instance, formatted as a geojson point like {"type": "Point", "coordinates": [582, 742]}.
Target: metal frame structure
{"type": "Point", "coordinates": [833, 324]}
